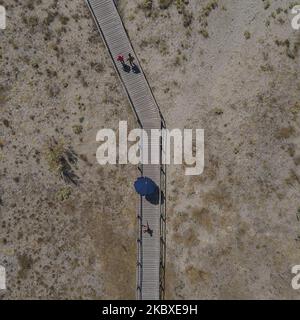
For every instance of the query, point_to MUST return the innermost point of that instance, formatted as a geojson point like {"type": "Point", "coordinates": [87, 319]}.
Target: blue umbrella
{"type": "Point", "coordinates": [144, 186]}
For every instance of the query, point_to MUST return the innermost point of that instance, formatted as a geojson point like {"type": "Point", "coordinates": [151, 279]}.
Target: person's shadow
{"type": "Point", "coordinates": [150, 231]}
{"type": "Point", "coordinates": [126, 67]}
{"type": "Point", "coordinates": [136, 69]}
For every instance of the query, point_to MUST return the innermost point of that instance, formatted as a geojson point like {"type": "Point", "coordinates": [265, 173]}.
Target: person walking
{"type": "Point", "coordinates": [131, 59]}
{"type": "Point", "coordinates": [147, 229]}
{"type": "Point", "coordinates": [120, 58]}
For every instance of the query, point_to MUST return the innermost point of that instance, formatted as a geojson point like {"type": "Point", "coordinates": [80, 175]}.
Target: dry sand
{"type": "Point", "coordinates": [229, 67]}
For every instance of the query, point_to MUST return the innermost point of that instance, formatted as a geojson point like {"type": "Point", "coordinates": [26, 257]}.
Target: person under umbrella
{"type": "Point", "coordinates": [144, 186]}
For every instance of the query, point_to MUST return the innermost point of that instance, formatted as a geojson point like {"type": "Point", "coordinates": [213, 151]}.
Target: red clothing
{"type": "Point", "coordinates": [120, 58]}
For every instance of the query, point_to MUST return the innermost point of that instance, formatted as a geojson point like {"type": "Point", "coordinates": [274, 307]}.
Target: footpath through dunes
{"type": "Point", "coordinates": [151, 211]}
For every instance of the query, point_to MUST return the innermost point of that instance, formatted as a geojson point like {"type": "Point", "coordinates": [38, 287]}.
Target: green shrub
{"type": "Point", "coordinates": [61, 160]}
{"type": "Point", "coordinates": [77, 128]}
{"type": "Point", "coordinates": [204, 32]}
{"type": "Point", "coordinates": [247, 35]}
{"type": "Point", "coordinates": [148, 4]}
{"type": "Point", "coordinates": [64, 194]}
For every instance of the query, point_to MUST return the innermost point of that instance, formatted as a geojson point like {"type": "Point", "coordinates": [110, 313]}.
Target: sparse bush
{"type": "Point", "coordinates": [209, 7]}
{"type": "Point", "coordinates": [187, 18]}
{"type": "Point", "coordinates": [131, 17]}
{"type": "Point", "coordinates": [266, 68]}
{"type": "Point", "coordinates": [6, 123]}
{"type": "Point", "coordinates": [247, 35]}
{"type": "Point", "coordinates": [285, 133]}
{"type": "Point", "coordinates": [77, 128]}
{"type": "Point", "coordinates": [180, 6]}
{"type": "Point", "coordinates": [2, 94]}
{"type": "Point", "coordinates": [204, 33]}
{"type": "Point", "coordinates": [266, 4]}
{"type": "Point", "coordinates": [163, 47]}
{"type": "Point", "coordinates": [213, 4]}
{"type": "Point", "coordinates": [49, 19]}
{"type": "Point", "coordinates": [97, 66]}
{"type": "Point", "coordinates": [164, 4]}
{"type": "Point", "coordinates": [177, 61]}
{"type": "Point", "coordinates": [64, 194]}
{"type": "Point", "coordinates": [31, 21]}
{"type": "Point", "coordinates": [25, 263]}
{"type": "Point", "coordinates": [60, 161]}
{"type": "Point", "coordinates": [219, 111]}
{"type": "Point", "coordinates": [148, 4]}
{"type": "Point", "coordinates": [64, 20]}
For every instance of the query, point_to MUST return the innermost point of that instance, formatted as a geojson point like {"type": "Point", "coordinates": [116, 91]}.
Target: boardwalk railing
{"type": "Point", "coordinates": [151, 250]}
{"type": "Point", "coordinates": [162, 228]}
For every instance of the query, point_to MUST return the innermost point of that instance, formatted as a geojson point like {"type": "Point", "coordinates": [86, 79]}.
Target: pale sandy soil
{"type": "Point", "coordinates": [233, 71]}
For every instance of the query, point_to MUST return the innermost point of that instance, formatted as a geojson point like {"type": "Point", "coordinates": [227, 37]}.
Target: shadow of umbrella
{"type": "Point", "coordinates": [154, 197]}
{"type": "Point", "coordinates": [146, 187]}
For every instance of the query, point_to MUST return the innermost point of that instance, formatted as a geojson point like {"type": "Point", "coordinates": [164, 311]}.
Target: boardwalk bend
{"type": "Point", "coordinates": [151, 249]}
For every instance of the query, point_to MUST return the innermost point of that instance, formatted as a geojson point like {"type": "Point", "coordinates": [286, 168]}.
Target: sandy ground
{"type": "Point", "coordinates": [229, 67]}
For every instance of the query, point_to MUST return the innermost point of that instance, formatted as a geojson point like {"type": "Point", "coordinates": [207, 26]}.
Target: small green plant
{"type": "Point", "coordinates": [148, 4]}
{"type": "Point", "coordinates": [266, 4]}
{"type": "Point", "coordinates": [267, 68]}
{"type": "Point", "coordinates": [281, 43]}
{"type": "Point", "coordinates": [247, 35]}
{"type": "Point", "coordinates": [213, 4]}
{"type": "Point", "coordinates": [163, 47]}
{"type": "Point", "coordinates": [60, 161]}
{"type": "Point", "coordinates": [77, 128]}
{"type": "Point", "coordinates": [64, 20]}
{"type": "Point", "coordinates": [2, 94]}
{"type": "Point", "coordinates": [64, 194]}
{"type": "Point", "coordinates": [31, 21]}
{"type": "Point", "coordinates": [204, 33]}
{"type": "Point", "coordinates": [204, 14]}
{"type": "Point", "coordinates": [295, 109]}
{"type": "Point", "coordinates": [219, 111]}
{"type": "Point", "coordinates": [131, 17]}
{"type": "Point", "coordinates": [177, 61]}
{"type": "Point", "coordinates": [54, 155]}
{"type": "Point", "coordinates": [180, 6]}
{"type": "Point", "coordinates": [187, 18]}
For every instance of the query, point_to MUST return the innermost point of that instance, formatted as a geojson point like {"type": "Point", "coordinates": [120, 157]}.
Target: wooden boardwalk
{"type": "Point", "coordinates": [151, 249]}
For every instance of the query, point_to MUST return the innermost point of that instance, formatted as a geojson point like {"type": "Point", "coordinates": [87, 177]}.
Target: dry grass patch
{"type": "Point", "coordinates": [196, 275]}
{"type": "Point", "coordinates": [202, 217]}
{"type": "Point", "coordinates": [285, 133]}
